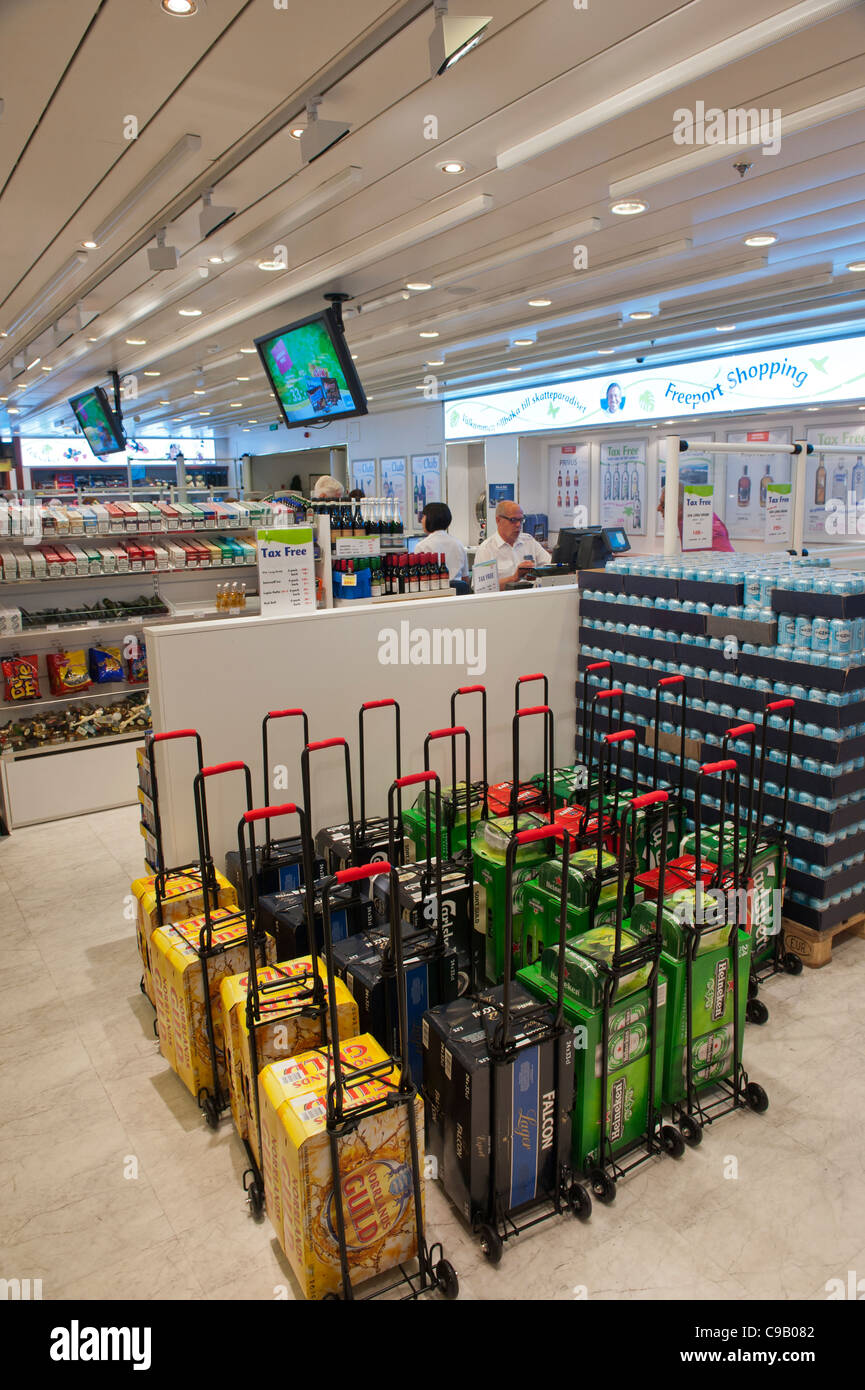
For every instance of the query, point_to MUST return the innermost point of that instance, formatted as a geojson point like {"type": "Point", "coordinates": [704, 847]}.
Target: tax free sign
{"type": "Point", "coordinates": [812, 373]}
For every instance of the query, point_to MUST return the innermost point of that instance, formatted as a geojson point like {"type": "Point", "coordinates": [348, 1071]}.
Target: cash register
{"type": "Point", "coordinates": [587, 547]}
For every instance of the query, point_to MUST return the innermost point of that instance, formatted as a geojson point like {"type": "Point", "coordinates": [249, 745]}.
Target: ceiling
{"type": "Point", "coordinates": [377, 211]}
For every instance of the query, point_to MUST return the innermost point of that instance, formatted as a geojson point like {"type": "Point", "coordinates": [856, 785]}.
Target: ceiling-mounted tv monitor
{"type": "Point", "coordinates": [310, 371]}
{"type": "Point", "coordinates": [102, 429]}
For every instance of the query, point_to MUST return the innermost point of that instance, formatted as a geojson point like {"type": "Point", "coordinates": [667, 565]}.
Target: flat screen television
{"type": "Point", "coordinates": [101, 427]}
{"type": "Point", "coordinates": [310, 371]}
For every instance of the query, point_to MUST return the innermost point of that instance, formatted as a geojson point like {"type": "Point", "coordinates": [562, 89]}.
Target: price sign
{"type": "Point", "coordinates": [286, 570]}
{"type": "Point", "coordinates": [697, 517]}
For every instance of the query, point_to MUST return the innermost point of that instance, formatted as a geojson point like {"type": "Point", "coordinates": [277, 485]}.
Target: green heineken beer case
{"type": "Point", "coordinates": [489, 872]}
{"type": "Point", "coordinates": [768, 872]}
{"type": "Point", "coordinates": [711, 1016]}
{"type": "Point", "coordinates": [627, 1099]}
{"type": "Point", "coordinates": [453, 803]}
{"type": "Point", "coordinates": [540, 918]}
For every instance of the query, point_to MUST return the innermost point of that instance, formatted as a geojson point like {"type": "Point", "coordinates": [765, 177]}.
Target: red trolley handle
{"type": "Point", "coordinates": [534, 709]}
{"type": "Point", "coordinates": [413, 778]}
{"type": "Point", "coordinates": [222, 767]}
{"type": "Point", "coordinates": [541, 832]}
{"type": "Point", "coordinates": [175, 733]}
{"type": "Point", "coordinates": [284, 713]}
{"type": "Point", "coordinates": [649, 799]}
{"type": "Point", "coordinates": [620, 736]}
{"type": "Point", "coordinates": [726, 765]}
{"type": "Point", "coordinates": [472, 690]}
{"type": "Point", "coordinates": [781, 704]}
{"type": "Point", "coordinates": [671, 680]}
{"type": "Point", "coordinates": [447, 733]}
{"type": "Point", "coordinates": [362, 871]}
{"type": "Point", "coordinates": [270, 812]}
{"type": "Point", "coordinates": [609, 694]}
{"type": "Point", "coordinates": [377, 704]}
{"type": "Point", "coordinates": [327, 743]}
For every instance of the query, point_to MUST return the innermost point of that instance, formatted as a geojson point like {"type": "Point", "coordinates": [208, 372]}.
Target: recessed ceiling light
{"type": "Point", "coordinates": [137, 342]}
{"type": "Point", "coordinates": [180, 9]}
{"type": "Point", "coordinates": [761, 239]}
{"type": "Point", "coordinates": [418, 285]}
{"type": "Point", "coordinates": [513, 369]}
{"type": "Point", "coordinates": [452, 166]}
{"type": "Point", "coordinates": [13, 411]}
{"type": "Point", "coordinates": [605, 352]}
{"type": "Point", "coordinates": [862, 407]}
{"type": "Point", "coordinates": [641, 314]}
{"type": "Point", "coordinates": [856, 266]}
{"type": "Point", "coordinates": [236, 405]}
{"type": "Point", "coordinates": [253, 422]}
{"type": "Point", "coordinates": [524, 342]}
{"type": "Point", "coordinates": [296, 132]}
{"type": "Point", "coordinates": [215, 260]}
{"type": "Point", "coordinates": [271, 265]}
{"type": "Point", "coordinates": [46, 369]}
{"type": "Point", "coordinates": [93, 340]}
{"type": "Point", "coordinates": [354, 357]}
{"type": "Point", "coordinates": [152, 374]}
{"type": "Point", "coordinates": [189, 313]}
{"type": "Point", "coordinates": [370, 398]}
{"type": "Point", "coordinates": [540, 303]}
{"type": "Point", "coordinates": [247, 350]}
{"type": "Point", "coordinates": [197, 391]}
{"type": "Point", "coordinates": [628, 207]}
{"type": "Point", "coordinates": [6, 335]}
{"type": "Point", "coordinates": [724, 327]}
{"type": "Point", "coordinates": [165, 402]}
{"type": "Point", "coordinates": [241, 378]}
{"type": "Point", "coordinates": [90, 245]}
{"type": "Point", "coordinates": [204, 412]}
{"type": "Point", "coordinates": [34, 363]}
{"type": "Point", "coordinates": [429, 335]}
{"type": "Point", "coordinates": [4, 398]}
{"type": "Point", "coordinates": [245, 430]}
{"type": "Point", "coordinates": [421, 387]}
{"type": "Point", "coordinates": [436, 362]}
{"type": "Point", "coordinates": [812, 407]}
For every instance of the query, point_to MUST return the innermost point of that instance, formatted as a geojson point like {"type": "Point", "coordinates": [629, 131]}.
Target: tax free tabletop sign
{"type": "Point", "coordinates": [286, 570]}
{"type": "Point", "coordinates": [810, 373]}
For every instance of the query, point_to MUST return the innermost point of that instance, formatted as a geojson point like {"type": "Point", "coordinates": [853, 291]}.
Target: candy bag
{"type": "Point", "coordinates": [67, 672]}
{"type": "Point", "coordinates": [20, 674]}
{"type": "Point", "coordinates": [106, 664]}
{"type": "Point", "coordinates": [137, 666]}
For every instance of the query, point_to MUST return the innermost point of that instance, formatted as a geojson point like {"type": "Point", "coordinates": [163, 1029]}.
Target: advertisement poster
{"type": "Point", "coordinates": [697, 517]}
{"type": "Point", "coordinates": [426, 482]}
{"type": "Point", "coordinates": [801, 374]}
{"type": "Point", "coordinates": [500, 492]}
{"type": "Point", "coordinates": [778, 513]}
{"type": "Point", "coordinates": [569, 485]}
{"type": "Point", "coordinates": [748, 477]}
{"type": "Point", "coordinates": [623, 486]}
{"type": "Point", "coordinates": [694, 468]}
{"type": "Point", "coordinates": [393, 482]}
{"type": "Point", "coordinates": [363, 476]}
{"type": "Point", "coordinates": [838, 479]}
{"type": "Point", "coordinates": [286, 571]}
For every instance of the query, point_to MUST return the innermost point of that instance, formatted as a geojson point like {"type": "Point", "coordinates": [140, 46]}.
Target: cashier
{"type": "Point", "coordinates": [515, 553]}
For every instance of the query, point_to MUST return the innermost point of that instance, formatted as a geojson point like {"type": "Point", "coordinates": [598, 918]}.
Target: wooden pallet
{"type": "Point", "coordinates": [815, 947]}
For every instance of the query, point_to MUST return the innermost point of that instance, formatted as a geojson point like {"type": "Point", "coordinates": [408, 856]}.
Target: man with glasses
{"type": "Point", "coordinates": [515, 553]}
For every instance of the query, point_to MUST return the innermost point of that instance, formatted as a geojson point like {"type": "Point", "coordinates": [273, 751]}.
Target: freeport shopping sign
{"type": "Point", "coordinates": [810, 374]}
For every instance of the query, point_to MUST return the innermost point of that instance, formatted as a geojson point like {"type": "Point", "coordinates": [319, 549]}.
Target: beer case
{"type": "Point", "coordinates": [711, 1013]}
{"type": "Point", "coordinates": [333, 844]}
{"type": "Point", "coordinates": [432, 978]}
{"type": "Point", "coordinates": [582, 876]}
{"type": "Point", "coordinates": [541, 910]}
{"type": "Point", "coordinates": [584, 957]}
{"type": "Point", "coordinates": [478, 1103]}
{"type": "Point", "coordinates": [375, 1170]}
{"type": "Point", "coordinates": [179, 987]}
{"type": "Point", "coordinates": [461, 921]}
{"type": "Point", "coordinates": [489, 872]}
{"type": "Point", "coordinates": [768, 872]}
{"type": "Point", "coordinates": [279, 867]}
{"type": "Point", "coordinates": [453, 801]}
{"type": "Point", "coordinates": [283, 915]}
{"type": "Point", "coordinates": [288, 1023]}
{"type": "Point", "coordinates": [184, 898]}
{"type": "Point", "coordinates": [627, 1098]}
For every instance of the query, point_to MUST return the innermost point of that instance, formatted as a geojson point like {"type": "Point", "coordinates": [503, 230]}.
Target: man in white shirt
{"type": "Point", "coordinates": [515, 553]}
{"type": "Point", "coordinates": [435, 519]}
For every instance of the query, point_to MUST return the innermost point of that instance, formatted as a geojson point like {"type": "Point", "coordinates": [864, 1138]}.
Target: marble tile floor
{"type": "Point", "coordinates": [113, 1187]}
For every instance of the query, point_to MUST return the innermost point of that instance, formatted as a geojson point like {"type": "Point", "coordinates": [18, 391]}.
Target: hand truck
{"type": "Point", "coordinates": [434, 1271]}
{"type": "Point", "coordinates": [768, 959]}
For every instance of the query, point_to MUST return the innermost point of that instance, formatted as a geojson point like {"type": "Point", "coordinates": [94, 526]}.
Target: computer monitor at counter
{"type": "Point", "coordinates": [589, 547]}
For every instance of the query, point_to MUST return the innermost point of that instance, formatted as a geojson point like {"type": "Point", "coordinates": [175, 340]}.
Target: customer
{"type": "Point", "coordinates": [327, 489]}
{"type": "Point", "coordinates": [436, 518]}
{"type": "Point", "coordinates": [515, 553]}
{"type": "Point", "coordinates": [720, 535]}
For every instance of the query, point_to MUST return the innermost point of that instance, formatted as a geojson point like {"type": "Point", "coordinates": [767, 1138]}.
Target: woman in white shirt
{"type": "Point", "coordinates": [435, 519]}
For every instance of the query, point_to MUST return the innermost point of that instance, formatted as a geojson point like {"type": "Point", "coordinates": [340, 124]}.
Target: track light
{"type": "Point", "coordinates": [454, 36]}
{"type": "Point", "coordinates": [76, 261]}
{"type": "Point", "coordinates": [212, 218]}
{"type": "Point", "coordinates": [319, 136]}
{"type": "Point", "coordinates": [160, 256]}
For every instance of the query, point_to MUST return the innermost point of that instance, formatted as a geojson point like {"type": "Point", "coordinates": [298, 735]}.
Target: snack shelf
{"type": "Point", "coordinates": [17, 754]}
{"type": "Point", "coordinates": [51, 701]}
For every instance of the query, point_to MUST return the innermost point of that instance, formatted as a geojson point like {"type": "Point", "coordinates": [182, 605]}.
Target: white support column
{"type": "Point", "coordinates": [671, 495]}
{"type": "Point", "coordinates": [798, 467]}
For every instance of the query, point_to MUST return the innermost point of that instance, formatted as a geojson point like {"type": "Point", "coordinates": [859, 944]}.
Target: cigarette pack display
{"type": "Point", "coordinates": [177, 967]}
{"type": "Point", "coordinates": [375, 1168]}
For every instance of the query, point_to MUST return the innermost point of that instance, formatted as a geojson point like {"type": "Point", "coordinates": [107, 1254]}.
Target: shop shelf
{"type": "Point", "coordinates": [101, 692]}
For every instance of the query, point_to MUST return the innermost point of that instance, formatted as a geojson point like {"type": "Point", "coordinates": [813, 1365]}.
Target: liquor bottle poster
{"type": "Point", "coordinates": [623, 486]}
{"type": "Point", "coordinates": [748, 476]}
{"type": "Point", "coordinates": [568, 485]}
{"type": "Point", "coordinates": [363, 476]}
{"type": "Point", "coordinates": [694, 467]}
{"type": "Point", "coordinates": [839, 478]}
{"type": "Point", "coordinates": [426, 481]}
{"type": "Point", "coordinates": [393, 482]}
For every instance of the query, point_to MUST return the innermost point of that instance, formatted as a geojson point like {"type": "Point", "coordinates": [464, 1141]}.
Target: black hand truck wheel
{"type": "Point", "coordinates": [756, 1011]}
{"type": "Point", "coordinates": [330, 1298]}
{"type": "Point", "coordinates": [256, 1200]}
{"type": "Point", "coordinates": [447, 1280]}
{"type": "Point", "coordinates": [141, 986]}
{"type": "Point", "coordinates": [672, 1141]}
{"type": "Point", "coordinates": [753, 986]}
{"type": "Point", "coordinates": [579, 1202]}
{"type": "Point", "coordinates": [211, 1113]}
{"type": "Point", "coordinates": [792, 963]}
{"type": "Point", "coordinates": [756, 1097]}
{"type": "Point", "coordinates": [603, 1186]}
{"type": "Point", "coordinates": [690, 1129]}
{"type": "Point", "coordinates": [491, 1244]}
{"type": "Point", "coordinates": [156, 1028]}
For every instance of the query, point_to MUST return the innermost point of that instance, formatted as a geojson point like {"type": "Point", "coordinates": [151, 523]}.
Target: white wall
{"type": "Point", "coordinates": [417, 430]}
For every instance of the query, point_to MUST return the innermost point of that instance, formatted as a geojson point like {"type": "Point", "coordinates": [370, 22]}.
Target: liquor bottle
{"type": "Point", "coordinates": [607, 483]}
{"type": "Point", "coordinates": [858, 480]}
{"type": "Point", "coordinates": [635, 484]}
{"type": "Point", "coordinates": [559, 483]}
{"type": "Point", "coordinates": [357, 527]}
{"type": "Point", "coordinates": [764, 484]}
{"type": "Point", "coordinates": [839, 482]}
{"type": "Point", "coordinates": [220, 598]}
{"type": "Point", "coordinates": [242, 591]}
{"type": "Point", "coordinates": [576, 493]}
{"type": "Point", "coordinates": [625, 483]}
{"type": "Point", "coordinates": [638, 515]}
{"type": "Point", "coordinates": [397, 518]}
{"type": "Point", "coordinates": [567, 500]}
{"type": "Point", "coordinates": [425, 585]}
{"type": "Point", "coordinates": [414, 574]}
{"type": "Point", "coordinates": [820, 485]}
{"type": "Point", "coordinates": [559, 501]}
{"type": "Point", "coordinates": [743, 490]}
{"type": "Point", "coordinates": [617, 482]}
{"type": "Point", "coordinates": [376, 588]}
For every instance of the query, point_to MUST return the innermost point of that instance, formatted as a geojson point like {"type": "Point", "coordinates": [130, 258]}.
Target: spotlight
{"type": "Point", "coordinates": [453, 37]}
{"type": "Point", "coordinates": [319, 136]}
{"type": "Point", "coordinates": [160, 256]}
{"type": "Point", "coordinates": [212, 218]}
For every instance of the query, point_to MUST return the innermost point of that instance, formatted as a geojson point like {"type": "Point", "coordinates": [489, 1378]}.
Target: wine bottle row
{"type": "Point", "coordinates": [362, 519]}
{"type": "Point", "coordinates": [389, 575]}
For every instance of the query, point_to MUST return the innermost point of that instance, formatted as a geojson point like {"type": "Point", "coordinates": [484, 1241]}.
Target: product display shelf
{"type": "Point", "coordinates": [393, 598]}
{"type": "Point", "coordinates": [826, 841]}
{"type": "Point", "coordinates": [103, 692]}
{"type": "Point", "coordinates": [74, 578]}
{"type": "Point", "coordinates": [15, 755]}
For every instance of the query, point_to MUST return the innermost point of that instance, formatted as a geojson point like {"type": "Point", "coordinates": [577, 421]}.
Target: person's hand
{"type": "Point", "coordinates": [525, 568]}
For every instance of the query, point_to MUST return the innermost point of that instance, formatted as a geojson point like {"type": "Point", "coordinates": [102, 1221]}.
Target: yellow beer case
{"type": "Point", "coordinates": [375, 1168]}
{"type": "Point", "coordinates": [179, 987]}
{"type": "Point", "coordinates": [184, 897]}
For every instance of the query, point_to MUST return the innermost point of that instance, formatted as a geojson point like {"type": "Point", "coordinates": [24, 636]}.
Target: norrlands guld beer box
{"type": "Point", "coordinates": [184, 897]}
{"type": "Point", "coordinates": [628, 1057]}
{"type": "Point", "coordinates": [288, 1023]}
{"type": "Point", "coordinates": [711, 1015]}
{"type": "Point", "coordinates": [283, 915]}
{"type": "Point", "coordinates": [279, 869]}
{"type": "Point", "coordinates": [375, 1168]}
{"type": "Point", "coordinates": [478, 1105]}
{"type": "Point", "coordinates": [431, 977]}
{"type": "Point", "coordinates": [180, 999]}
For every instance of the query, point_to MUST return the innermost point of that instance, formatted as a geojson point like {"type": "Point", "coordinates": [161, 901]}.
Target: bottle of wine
{"type": "Point", "coordinates": [403, 581]}
{"type": "Point", "coordinates": [375, 578]}
{"type": "Point", "coordinates": [444, 577]}
{"type": "Point", "coordinates": [424, 575]}
{"type": "Point", "coordinates": [820, 485]}
{"type": "Point", "coordinates": [744, 487]}
{"type": "Point", "coordinates": [357, 530]}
